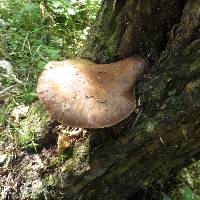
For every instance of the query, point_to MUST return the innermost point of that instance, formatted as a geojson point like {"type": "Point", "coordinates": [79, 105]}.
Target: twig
{"type": "Point", "coordinates": [13, 76]}
{"type": "Point", "coordinates": [138, 116]}
{"type": "Point", "coordinates": [25, 41]}
{"type": "Point", "coordinates": [16, 79]}
{"type": "Point", "coordinates": [7, 89]}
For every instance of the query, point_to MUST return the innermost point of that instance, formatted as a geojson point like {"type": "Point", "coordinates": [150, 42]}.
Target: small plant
{"type": "Point", "coordinates": [166, 197]}
{"type": "Point", "coordinates": [189, 195]}
{"type": "Point", "coordinates": [186, 194]}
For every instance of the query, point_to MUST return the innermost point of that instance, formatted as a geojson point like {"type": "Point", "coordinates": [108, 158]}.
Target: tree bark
{"type": "Point", "coordinates": [163, 133]}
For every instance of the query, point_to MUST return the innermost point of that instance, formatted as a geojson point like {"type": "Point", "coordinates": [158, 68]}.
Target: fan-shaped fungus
{"type": "Point", "coordinates": [79, 93]}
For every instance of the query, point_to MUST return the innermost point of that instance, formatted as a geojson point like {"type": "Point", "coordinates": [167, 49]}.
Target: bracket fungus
{"type": "Point", "coordinates": [79, 93]}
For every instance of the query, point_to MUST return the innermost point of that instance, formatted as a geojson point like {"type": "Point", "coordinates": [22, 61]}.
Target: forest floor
{"type": "Point", "coordinates": [28, 156]}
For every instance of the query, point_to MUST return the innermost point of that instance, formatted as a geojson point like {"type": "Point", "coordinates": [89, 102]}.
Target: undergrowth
{"type": "Point", "coordinates": [34, 32]}
{"type": "Point", "coordinates": [31, 34]}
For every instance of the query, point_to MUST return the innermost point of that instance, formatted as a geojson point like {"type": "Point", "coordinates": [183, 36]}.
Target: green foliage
{"type": "Point", "coordinates": [34, 32]}
{"type": "Point", "coordinates": [40, 32]}
{"type": "Point", "coordinates": [23, 15]}
{"type": "Point", "coordinates": [26, 140]}
{"type": "Point", "coordinates": [165, 197]}
{"type": "Point", "coordinates": [73, 19]}
{"type": "Point", "coordinates": [186, 194]}
{"type": "Point", "coordinates": [189, 195]}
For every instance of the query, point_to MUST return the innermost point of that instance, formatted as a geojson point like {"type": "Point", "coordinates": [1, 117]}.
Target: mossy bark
{"type": "Point", "coordinates": [166, 133]}
{"type": "Point", "coordinates": [34, 131]}
{"type": "Point", "coordinates": [163, 134]}
{"type": "Point", "coordinates": [131, 27]}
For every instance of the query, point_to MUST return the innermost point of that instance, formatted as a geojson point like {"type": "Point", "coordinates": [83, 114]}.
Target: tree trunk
{"type": "Point", "coordinates": [163, 133]}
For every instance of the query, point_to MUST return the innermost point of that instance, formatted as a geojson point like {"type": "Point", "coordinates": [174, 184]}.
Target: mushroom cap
{"type": "Point", "coordinates": [79, 93]}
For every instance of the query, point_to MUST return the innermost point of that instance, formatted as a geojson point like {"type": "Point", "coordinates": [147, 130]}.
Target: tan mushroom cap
{"type": "Point", "coordinates": [79, 93]}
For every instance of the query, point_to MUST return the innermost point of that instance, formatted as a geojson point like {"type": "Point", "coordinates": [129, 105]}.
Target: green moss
{"type": "Point", "coordinates": [193, 86]}
{"type": "Point", "coordinates": [159, 91]}
{"type": "Point", "coordinates": [195, 65]}
{"type": "Point", "coordinates": [33, 128]}
{"type": "Point", "coordinates": [172, 92]}
{"type": "Point", "coordinates": [26, 137]}
{"type": "Point", "coordinates": [119, 171]}
{"type": "Point", "coordinates": [114, 39]}
{"type": "Point", "coordinates": [188, 183]}
{"type": "Point", "coordinates": [51, 180]}
{"type": "Point", "coordinates": [106, 33]}
{"type": "Point", "coordinates": [150, 125]}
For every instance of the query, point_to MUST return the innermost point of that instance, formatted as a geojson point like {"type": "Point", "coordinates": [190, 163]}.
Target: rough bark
{"type": "Point", "coordinates": [131, 27]}
{"type": "Point", "coordinates": [163, 134]}
{"type": "Point", "coordinates": [167, 131]}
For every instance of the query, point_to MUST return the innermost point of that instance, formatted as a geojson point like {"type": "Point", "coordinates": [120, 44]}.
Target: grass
{"type": "Point", "coordinates": [33, 35]}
